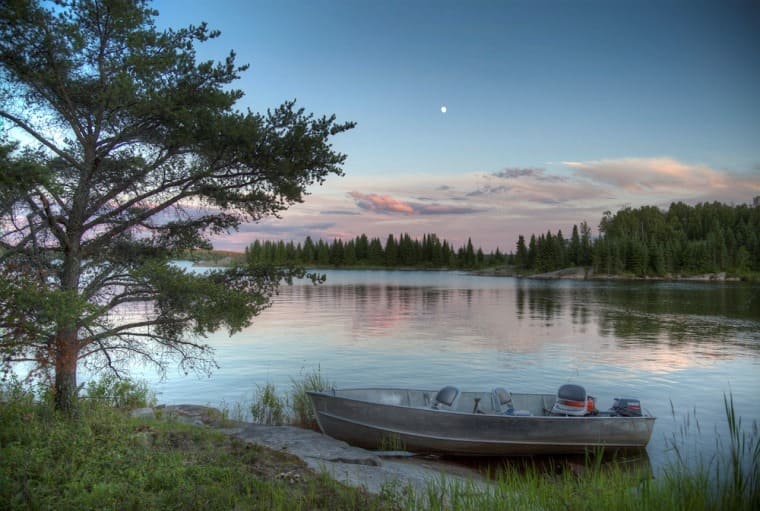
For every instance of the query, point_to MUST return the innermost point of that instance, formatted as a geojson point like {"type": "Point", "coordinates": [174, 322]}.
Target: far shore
{"type": "Point", "coordinates": [572, 273]}
{"type": "Point", "coordinates": [583, 273]}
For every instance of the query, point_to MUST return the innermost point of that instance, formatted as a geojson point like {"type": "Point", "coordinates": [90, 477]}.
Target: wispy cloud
{"type": "Point", "coordinates": [668, 178]}
{"type": "Point", "coordinates": [530, 172]}
{"type": "Point", "coordinates": [515, 172]}
{"type": "Point", "coordinates": [488, 190]}
{"type": "Point", "coordinates": [278, 227]}
{"type": "Point", "coordinates": [650, 174]}
{"type": "Point", "coordinates": [521, 187]}
{"type": "Point", "coordinates": [338, 212]}
{"type": "Point", "coordinates": [386, 204]}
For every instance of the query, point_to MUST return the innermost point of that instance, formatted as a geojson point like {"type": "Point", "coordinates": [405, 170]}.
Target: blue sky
{"type": "Point", "coordinates": [556, 111]}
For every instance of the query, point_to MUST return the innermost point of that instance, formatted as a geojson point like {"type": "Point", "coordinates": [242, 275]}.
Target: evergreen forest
{"type": "Point", "coordinates": [648, 241]}
{"type": "Point", "coordinates": [645, 241]}
{"type": "Point", "coordinates": [404, 251]}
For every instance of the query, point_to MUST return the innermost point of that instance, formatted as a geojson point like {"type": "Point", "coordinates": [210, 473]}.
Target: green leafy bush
{"type": "Point", "coordinates": [123, 393]}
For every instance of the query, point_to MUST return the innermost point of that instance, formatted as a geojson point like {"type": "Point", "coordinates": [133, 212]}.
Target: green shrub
{"type": "Point", "coordinates": [123, 393]}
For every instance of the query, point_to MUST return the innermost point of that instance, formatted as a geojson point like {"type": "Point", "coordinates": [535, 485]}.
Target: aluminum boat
{"type": "Point", "coordinates": [489, 423]}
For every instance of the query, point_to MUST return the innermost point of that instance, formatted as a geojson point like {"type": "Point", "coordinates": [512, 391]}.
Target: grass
{"type": "Point", "coordinates": [269, 407]}
{"type": "Point", "coordinates": [106, 460]}
{"type": "Point", "coordinates": [590, 489]}
{"type": "Point", "coordinates": [303, 414]}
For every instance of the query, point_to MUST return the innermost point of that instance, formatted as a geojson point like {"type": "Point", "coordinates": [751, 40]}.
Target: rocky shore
{"type": "Point", "coordinates": [353, 466]}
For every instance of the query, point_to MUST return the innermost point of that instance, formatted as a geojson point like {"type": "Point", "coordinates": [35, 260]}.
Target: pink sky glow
{"type": "Point", "coordinates": [493, 208]}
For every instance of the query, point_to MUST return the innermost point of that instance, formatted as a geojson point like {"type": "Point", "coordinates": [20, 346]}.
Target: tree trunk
{"type": "Point", "coordinates": [66, 356]}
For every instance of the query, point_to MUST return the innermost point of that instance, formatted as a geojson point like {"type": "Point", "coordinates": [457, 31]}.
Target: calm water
{"type": "Point", "coordinates": [679, 347]}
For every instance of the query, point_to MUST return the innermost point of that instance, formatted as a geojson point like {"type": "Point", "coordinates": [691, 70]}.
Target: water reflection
{"type": "Point", "coordinates": [544, 302]}
{"type": "Point", "coordinates": [514, 314]}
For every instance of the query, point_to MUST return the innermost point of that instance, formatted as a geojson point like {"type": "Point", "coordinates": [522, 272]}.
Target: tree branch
{"type": "Point", "coordinates": [26, 127]}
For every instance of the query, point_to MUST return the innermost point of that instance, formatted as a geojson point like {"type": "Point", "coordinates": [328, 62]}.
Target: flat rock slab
{"type": "Point", "coordinates": [352, 465]}
{"type": "Point", "coordinates": [192, 414]}
{"type": "Point", "coordinates": [304, 443]}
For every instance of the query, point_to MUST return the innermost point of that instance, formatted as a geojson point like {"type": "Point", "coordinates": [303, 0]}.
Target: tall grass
{"type": "Point", "coordinates": [270, 407]}
{"type": "Point", "coordinates": [303, 413]}
{"type": "Point", "coordinates": [743, 463]}
{"type": "Point", "coordinates": [728, 480]}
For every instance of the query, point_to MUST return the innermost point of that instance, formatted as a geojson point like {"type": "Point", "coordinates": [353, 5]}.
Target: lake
{"type": "Point", "coordinates": [678, 346]}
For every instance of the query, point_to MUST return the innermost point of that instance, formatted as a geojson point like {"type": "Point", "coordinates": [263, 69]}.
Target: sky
{"type": "Point", "coordinates": [556, 111]}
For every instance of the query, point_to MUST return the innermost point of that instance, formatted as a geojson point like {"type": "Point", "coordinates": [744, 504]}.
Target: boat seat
{"type": "Point", "coordinates": [573, 400]}
{"type": "Point", "coordinates": [446, 397]}
{"type": "Point", "coordinates": [502, 403]}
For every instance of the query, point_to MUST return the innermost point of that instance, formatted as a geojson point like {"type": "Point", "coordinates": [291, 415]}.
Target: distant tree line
{"type": "Point", "coordinates": [401, 251]}
{"type": "Point", "coordinates": [705, 238]}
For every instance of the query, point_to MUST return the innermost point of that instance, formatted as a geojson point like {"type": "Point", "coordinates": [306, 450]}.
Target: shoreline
{"type": "Point", "coordinates": [581, 273]}
{"type": "Point", "coordinates": [572, 273]}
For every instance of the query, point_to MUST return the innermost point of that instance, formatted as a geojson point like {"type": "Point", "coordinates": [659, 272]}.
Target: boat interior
{"type": "Point", "coordinates": [570, 400]}
{"type": "Point", "coordinates": [497, 401]}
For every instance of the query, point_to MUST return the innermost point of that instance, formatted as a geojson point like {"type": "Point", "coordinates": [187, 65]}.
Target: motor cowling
{"type": "Point", "coordinates": [626, 407]}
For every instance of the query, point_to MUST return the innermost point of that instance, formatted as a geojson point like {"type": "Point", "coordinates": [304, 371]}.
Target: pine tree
{"type": "Point", "coordinates": [127, 134]}
{"type": "Point", "coordinates": [521, 254]}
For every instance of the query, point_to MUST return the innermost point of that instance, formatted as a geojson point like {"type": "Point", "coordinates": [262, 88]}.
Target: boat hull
{"type": "Point", "coordinates": [388, 426]}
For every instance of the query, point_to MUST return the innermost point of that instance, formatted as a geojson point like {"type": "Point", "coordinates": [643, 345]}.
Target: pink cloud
{"type": "Point", "coordinates": [651, 174]}
{"type": "Point", "coordinates": [381, 203]}
{"type": "Point", "coordinates": [386, 204]}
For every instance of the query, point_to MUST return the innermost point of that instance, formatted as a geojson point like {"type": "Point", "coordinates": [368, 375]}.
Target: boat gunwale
{"type": "Point", "coordinates": [327, 393]}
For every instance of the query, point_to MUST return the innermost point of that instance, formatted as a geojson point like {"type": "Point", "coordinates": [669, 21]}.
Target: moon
{"type": "Point", "coordinates": [443, 109]}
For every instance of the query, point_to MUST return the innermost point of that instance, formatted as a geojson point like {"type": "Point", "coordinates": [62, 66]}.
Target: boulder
{"type": "Point", "coordinates": [143, 413]}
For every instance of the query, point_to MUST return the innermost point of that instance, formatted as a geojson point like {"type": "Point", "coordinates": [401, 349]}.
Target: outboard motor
{"type": "Point", "coordinates": [573, 400]}
{"type": "Point", "coordinates": [626, 407]}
